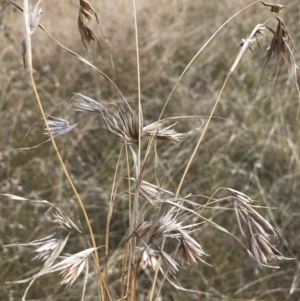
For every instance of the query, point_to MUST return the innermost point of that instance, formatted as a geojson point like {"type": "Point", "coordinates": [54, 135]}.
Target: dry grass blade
{"type": "Point", "coordinates": [295, 280]}
{"type": "Point", "coordinates": [160, 235]}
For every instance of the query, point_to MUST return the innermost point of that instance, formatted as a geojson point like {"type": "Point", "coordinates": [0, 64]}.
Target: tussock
{"type": "Point", "coordinates": [152, 234]}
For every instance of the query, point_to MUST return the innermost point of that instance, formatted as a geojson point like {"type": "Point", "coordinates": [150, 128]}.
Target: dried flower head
{"type": "Point", "coordinates": [87, 35]}
{"type": "Point", "coordinates": [124, 125]}
{"type": "Point", "coordinates": [281, 45]}
{"type": "Point", "coordinates": [190, 250]}
{"type": "Point", "coordinates": [86, 13]}
{"type": "Point", "coordinates": [165, 226]}
{"type": "Point", "coordinates": [35, 17]}
{"type": "Point", "coordinates": [58, 126]}
{"type": "Point", "coordinates": [61, 218]}
{"type": "Point", "coordinates": [169, 261]}
{"type": "Point", "coordinates": [87, 104]}
{"type": "Point", "coordinates": [46, 249]}
{"type": "Point", "coordinates": [148, 258]}
{"type": "Point", "coordinates": [72, 266]}
{"type": "Point", "coordinates": [168, 133]}
{"type": "Point", "coordinates": [139, 229]}
{"type": "Point", "coordinates": [49, 250]}
{"type": "Point", "coordinates": [258, 230]}
{"type": "Point", "coordinates": [150, 191]}
{"type": "Point", "coordinates": [87, 10]}
{"type": "Point", "coordinates": [259, 245]}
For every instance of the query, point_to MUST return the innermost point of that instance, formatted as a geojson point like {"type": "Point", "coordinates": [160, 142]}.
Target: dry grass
{"type": "Point", "coordinates": [251, 145]}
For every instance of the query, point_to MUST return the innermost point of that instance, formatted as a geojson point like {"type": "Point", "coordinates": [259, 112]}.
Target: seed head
{"type": "Point", "coordinates": [58, 126]}
{"type": "Point", "coordinates": [258, 229]}
{"type": "Point", "coordinates": [72, 266]}
{"type": "Point", "coordinates": [189, 249]}
{"type": "Point", "coordinates": [35, 17]}
{"type": "Point", "coordinates": [169, 261]}
{"type": "Point", "coordinates": [148, 258]}
{"type": "Point", "coordinates": [61, 218]}
{"type": "Point", "coordinates": [86, 13]}
{"type": "Point", "coordinates": [168, 133]}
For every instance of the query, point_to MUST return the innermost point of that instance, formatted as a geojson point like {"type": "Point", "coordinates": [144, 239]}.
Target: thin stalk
{"type": "Point", "coordinates": [29, 69]}
{"type": "Point", "coordinates": [198, 53]}
{"type": "Point", "coordinates": [109, 215]}
{"type": "Point", "coordinates": [234, 65]}
{"type": "Point", "coordinates": [202, 135]}
{"type": "Point", "coordinates": [133, 280]}
{"type": "Point", "coordinates": [135, 205]}
{"type": "Point", "coordinates": [156, 275]}
{"type": "Point", "coordinates": [129, 245]}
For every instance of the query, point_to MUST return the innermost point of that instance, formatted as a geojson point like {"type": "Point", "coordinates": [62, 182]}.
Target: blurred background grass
{"type": "Point", "coordinates": [255, 148]}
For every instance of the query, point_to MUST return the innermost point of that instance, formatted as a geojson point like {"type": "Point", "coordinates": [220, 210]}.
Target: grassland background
{"type": "Point", "coordinates": [254, 147]}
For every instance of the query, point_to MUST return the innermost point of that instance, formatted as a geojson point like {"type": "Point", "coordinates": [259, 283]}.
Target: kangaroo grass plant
{"type": "Point", "coordinates": [158, 230]}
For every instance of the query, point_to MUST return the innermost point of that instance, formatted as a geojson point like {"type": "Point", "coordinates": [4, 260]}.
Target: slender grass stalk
{"type": "Point", "coordinates": [234, 65]}
{"type": "Point", "coordinates": [201, 136]}
{"type": "Point", "coordinates": [109, 215]}
{"type": "Point", "coordinates": [30, 72]}
{"type": "Point", "coordinates": [135, 205]}
{"type": "Point", "coordinates": [198, 53]}
{"type": "Point", "coordinates": [133, 274]}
